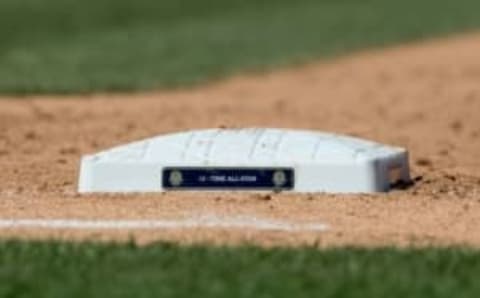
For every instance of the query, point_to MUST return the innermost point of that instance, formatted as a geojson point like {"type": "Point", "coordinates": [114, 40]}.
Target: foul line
{"type": "Point", "coordinates": [208, 222]}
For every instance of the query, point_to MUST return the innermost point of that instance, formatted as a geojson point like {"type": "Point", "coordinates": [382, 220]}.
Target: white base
{"type": "Point", "coordinates": [321, 162]}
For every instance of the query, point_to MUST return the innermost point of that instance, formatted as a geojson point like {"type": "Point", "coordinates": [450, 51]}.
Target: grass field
{"type": "Point", "coordinates": [59, 46]}
{"type": "Point", "coordinates": [161, 270]}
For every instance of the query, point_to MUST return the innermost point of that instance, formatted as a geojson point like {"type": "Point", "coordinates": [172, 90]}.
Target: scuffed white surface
{"type": "Point", "coordinates": [323, 162]}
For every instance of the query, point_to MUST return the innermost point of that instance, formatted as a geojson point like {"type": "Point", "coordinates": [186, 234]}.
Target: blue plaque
{"type": "Point", "coordinates": [187, 178]}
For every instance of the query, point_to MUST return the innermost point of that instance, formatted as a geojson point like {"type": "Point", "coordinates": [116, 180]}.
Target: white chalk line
{"type": "Point", "coordinates": [203, 222]}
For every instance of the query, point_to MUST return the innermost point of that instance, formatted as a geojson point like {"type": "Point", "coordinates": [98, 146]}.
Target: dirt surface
{"type": "Point", "coordinates": [424, 97]}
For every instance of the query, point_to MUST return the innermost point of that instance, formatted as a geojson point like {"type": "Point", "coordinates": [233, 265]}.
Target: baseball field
{"type": "Point", "coordinates": [78, 77]}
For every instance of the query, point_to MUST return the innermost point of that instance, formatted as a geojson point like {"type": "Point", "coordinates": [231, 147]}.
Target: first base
{"type": "Point", "coordinates": [254, 159]}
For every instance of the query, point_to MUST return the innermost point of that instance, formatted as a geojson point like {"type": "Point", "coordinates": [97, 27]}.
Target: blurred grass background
{"type": "Point", "coordinates": [56, 269]}
{"type": "Point", "coordinates": [71, 46]}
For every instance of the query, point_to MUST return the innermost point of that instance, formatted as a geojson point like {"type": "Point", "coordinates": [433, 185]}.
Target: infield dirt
{"type": "Point", "coordinates": [425, 97]}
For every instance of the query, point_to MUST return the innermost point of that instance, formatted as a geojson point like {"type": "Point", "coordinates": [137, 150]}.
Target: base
{"type": "Point", "coordinates": [254, 159]}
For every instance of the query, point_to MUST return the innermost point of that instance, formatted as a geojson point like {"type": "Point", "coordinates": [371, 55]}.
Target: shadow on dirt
{"type": "Point", "coordinates": [405, 185]}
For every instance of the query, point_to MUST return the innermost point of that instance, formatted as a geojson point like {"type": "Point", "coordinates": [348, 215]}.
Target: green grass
{"type": "Point", "coordinates": [54, 269]}
{"type": "Point", "coordinates": [63, 46]}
